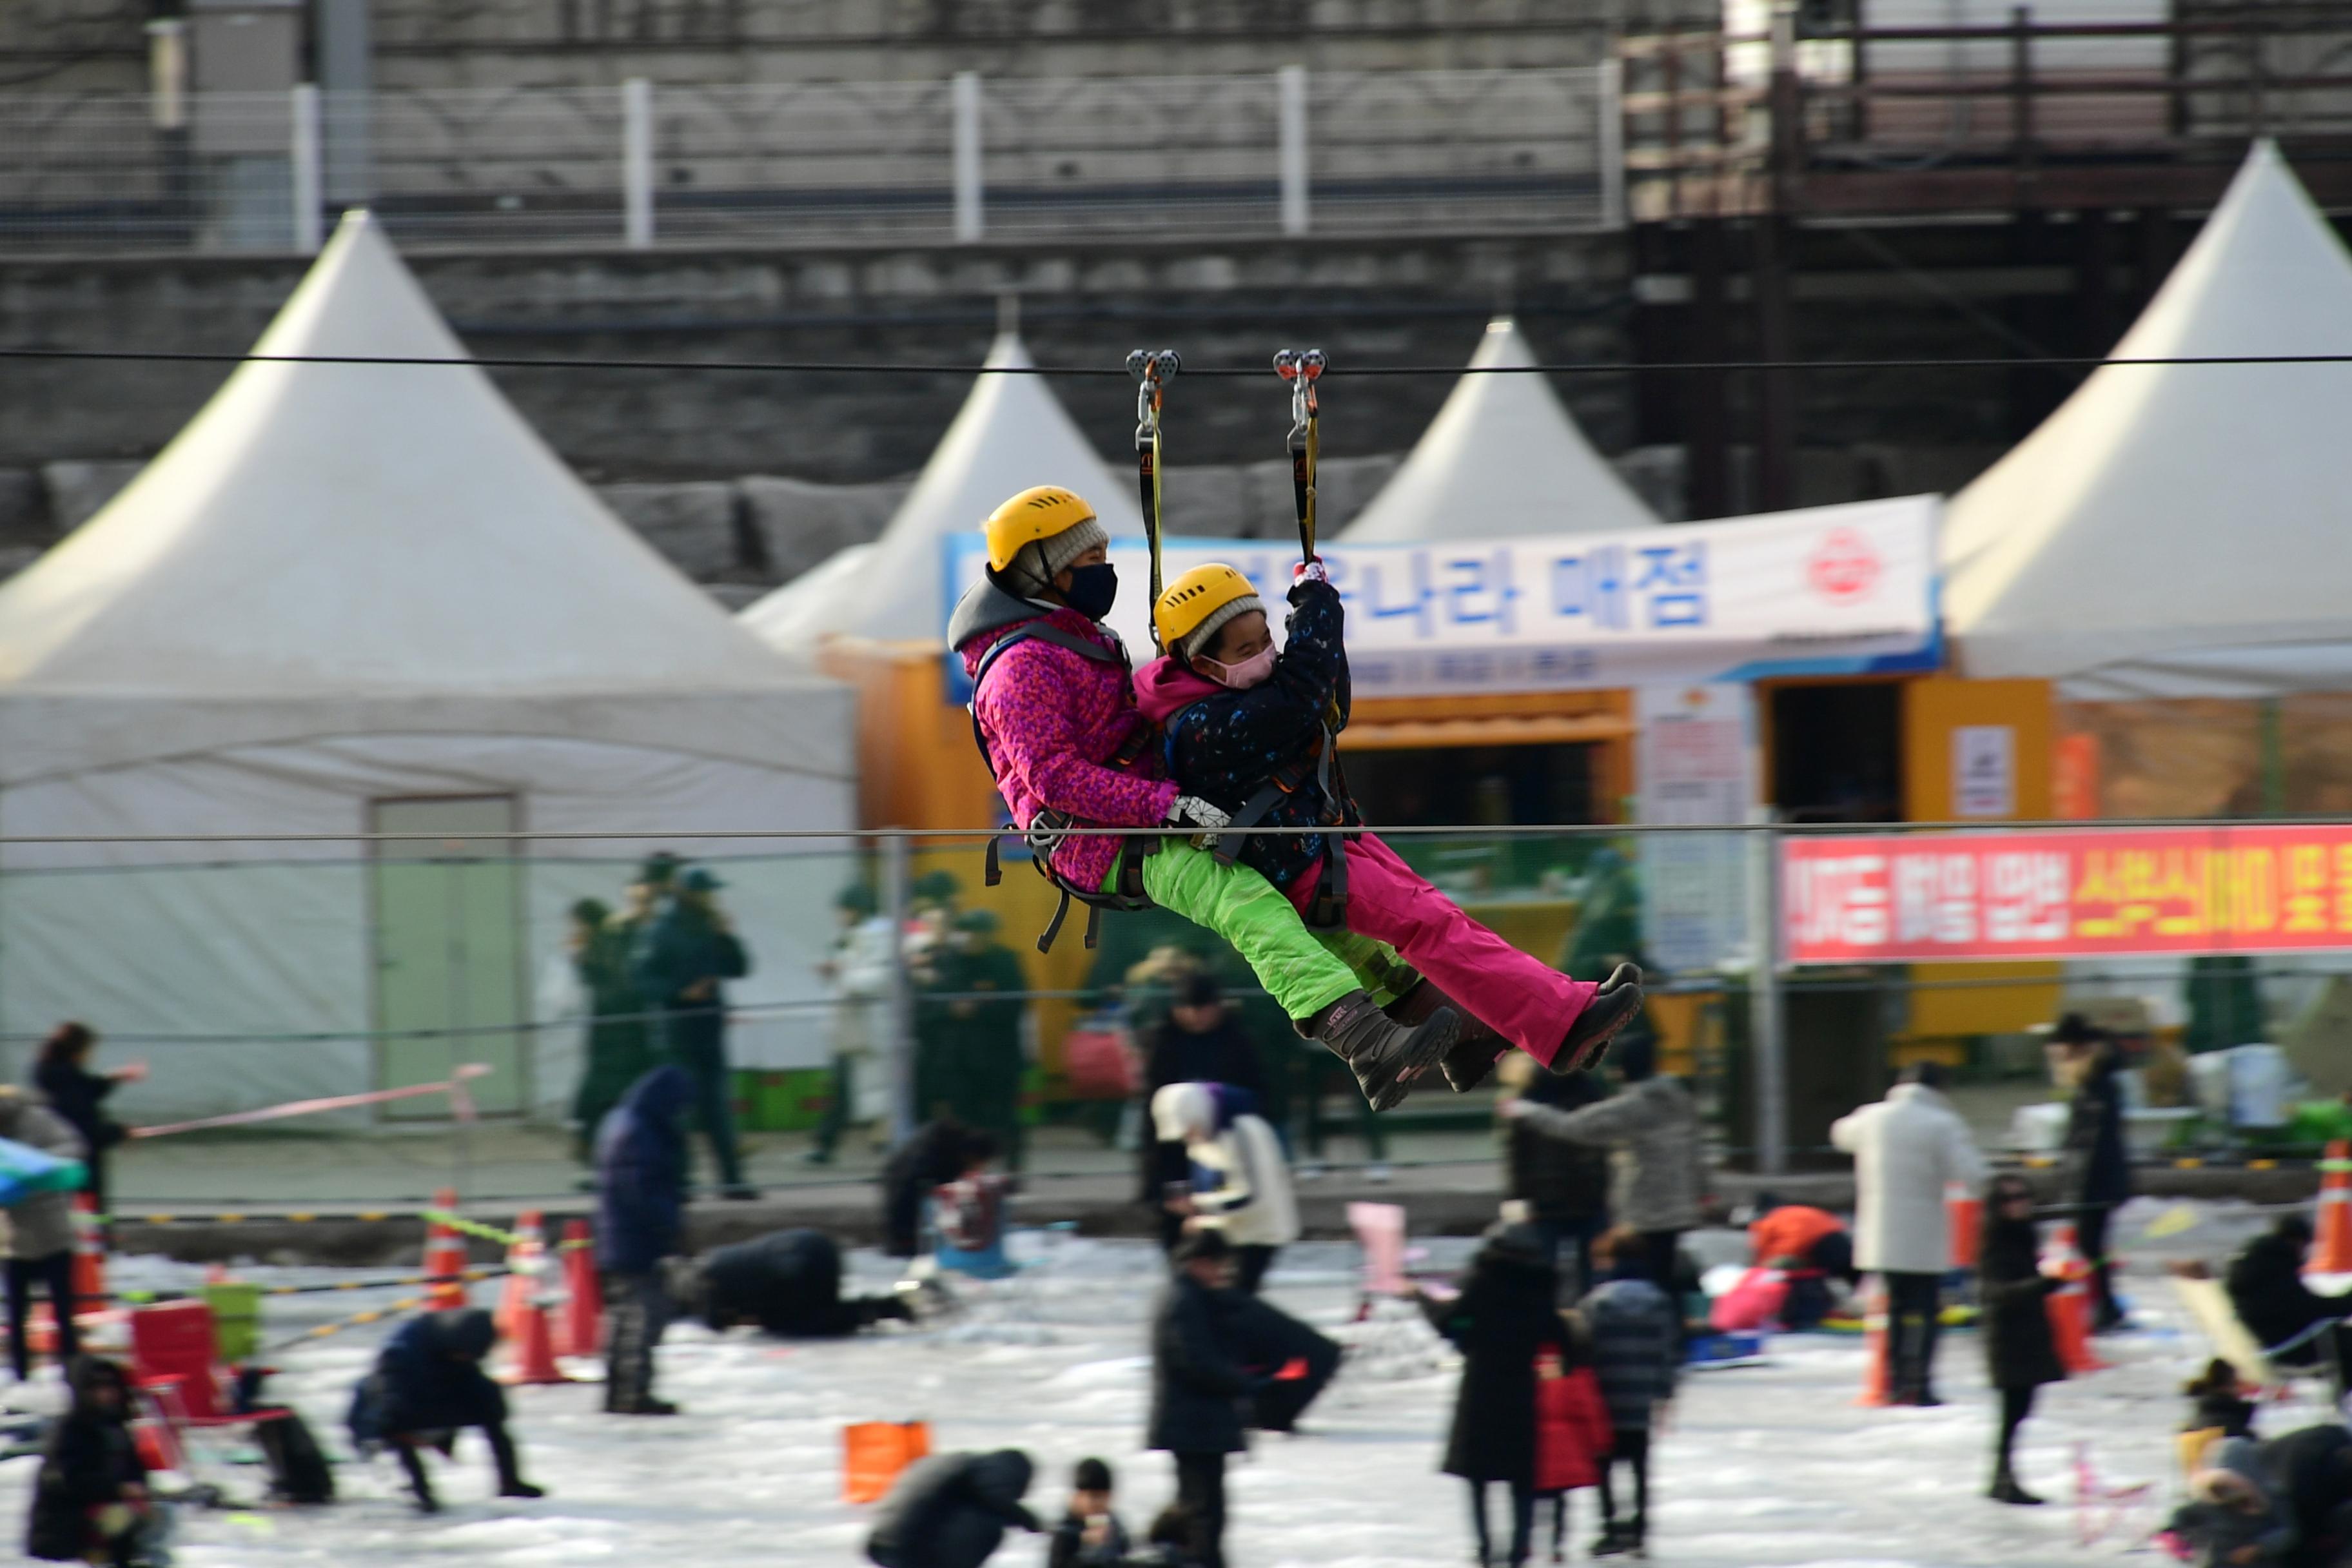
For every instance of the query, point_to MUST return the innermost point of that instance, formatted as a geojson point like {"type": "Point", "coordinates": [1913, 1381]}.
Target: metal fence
{"type": "Point", "coordinates": [251, 973]}
{"type": "Point", "coordinates": [1287, 152]}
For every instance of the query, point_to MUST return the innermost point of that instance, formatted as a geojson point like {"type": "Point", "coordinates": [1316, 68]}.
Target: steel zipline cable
{"type": "Point", "coordinates": [849, 367]}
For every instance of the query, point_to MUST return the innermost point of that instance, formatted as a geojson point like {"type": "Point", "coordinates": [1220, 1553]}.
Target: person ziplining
{"type": "Point", "coordinates": [1055, 714]}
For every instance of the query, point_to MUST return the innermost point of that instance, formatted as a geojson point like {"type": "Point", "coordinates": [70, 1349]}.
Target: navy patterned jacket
{"type": "Point", "coordinates": [1223, 744]}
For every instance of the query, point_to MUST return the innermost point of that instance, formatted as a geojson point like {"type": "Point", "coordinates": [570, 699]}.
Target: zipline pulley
{"type": "Point", "coordinates": [1301, 368]}
{"type": "Point", "coordinates": [1153, 370]}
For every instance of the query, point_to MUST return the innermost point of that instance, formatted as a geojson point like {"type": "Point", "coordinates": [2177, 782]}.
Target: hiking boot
{"type": "Point", "coordinates": [1470, 1060]}
{"type": "Point", "coordinates": [1384, 1056]}
{"type": "Point", "coordinates": [1617, 1004]}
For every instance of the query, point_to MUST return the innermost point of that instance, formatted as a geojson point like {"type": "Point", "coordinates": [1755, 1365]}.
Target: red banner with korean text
{"type": "Point", "coordinates": [2081, 893]}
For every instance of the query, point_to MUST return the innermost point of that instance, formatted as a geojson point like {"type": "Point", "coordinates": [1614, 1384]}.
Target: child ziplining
{"type": "Point", "coordinates": [1053, 709]}
{"type": "Point", "coordinates": [1253, 733]}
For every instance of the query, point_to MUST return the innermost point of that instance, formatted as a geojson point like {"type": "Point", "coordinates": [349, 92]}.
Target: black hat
{"type": "Point", "coordinates": [1200, 990]}
{"type": "Point", "coordinates": [1091, 1475]}
{"type": "Point", "coordinates": [2074, 1030]}
{"type": "Point", "coordinates": [1202, 1247]}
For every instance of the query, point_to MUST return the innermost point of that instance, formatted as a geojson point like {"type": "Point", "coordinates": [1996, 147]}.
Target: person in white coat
{"type": "Point", "coordinates": [1906, 1149]}
{"type": "Point", "coordinates": [1239, 1185]}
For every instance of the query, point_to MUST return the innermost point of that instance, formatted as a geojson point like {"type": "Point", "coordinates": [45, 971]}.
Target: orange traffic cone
{"type": "Point", "coordinates": [2069, 1304]}
{"type": "Point", "coordinates": [1877, 1373]}
{"type": "Point", "coordinates": [444, 1257]}
{"type": "Point", "coordinates": [1963, 1216]}
{"type": "Point", "coordinates": [526, 1258]}
{"type": "Point", "coordinates": [89, 1257]}
{"type": "Point", "coordinates": [534, 1348]}
{"type": "Point", "coordinates": [580, 1329]}
{"type": "Point", "coordinates": [2331, 1243]}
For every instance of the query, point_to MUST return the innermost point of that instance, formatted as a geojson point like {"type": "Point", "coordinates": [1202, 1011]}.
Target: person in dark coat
{"type": "Point", "coordinates": [2266, 1287]}
{"type": "Point", "coordinates": [1198, 1042]}
{"type": "Point", "coordinates": [1565, 1186]}
{"type": "Point", "coordinates": [2014, 1294]}
{"type": "Point", "coordinates": [952, 1510]}
{"type": "Point", "coordinates": [1199, 1385]}
{"type": "Point", "coordinates": [679, 964]}
{"type": "Point", "coordinates": [1090, 1536]}
{"type": "Point", "coordinates": [975, 997]}
{"type": "Point", "coordinates": [90, 1501]}
{"type": "Point", "coordinates": [63, 1074]}
{"type": "Point", "coordinates": [2312, 1469]}
{"type": "Point", "coordinates": [1636, 1354]}
{"type": "Point", "coordinates": [1507, 1311]}
{"type": "Point", "coordinates": [640, 1220]}
{"type": "Point", "coordinates": [2095, 1145]}
{"type": "Point", "coordinates": [1271, 1344]}
{"type": "Point", "coordinates": [427, 1385]}
{"type": "Point", "coordinates": [619, 1049]}
{"type": "Point", "coordinates": [788, 1282]}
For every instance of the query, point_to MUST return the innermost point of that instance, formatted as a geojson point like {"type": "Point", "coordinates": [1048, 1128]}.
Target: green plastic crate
{"type": "Point", "coordinates": [236, 1318]}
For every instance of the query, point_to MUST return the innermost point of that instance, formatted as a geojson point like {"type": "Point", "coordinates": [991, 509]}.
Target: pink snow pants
{"type": "Point", "coordinates": [1527, 1001]}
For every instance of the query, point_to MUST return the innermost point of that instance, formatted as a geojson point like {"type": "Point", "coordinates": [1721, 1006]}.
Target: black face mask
{"type": "Point", "coordinates": [1092, 590]}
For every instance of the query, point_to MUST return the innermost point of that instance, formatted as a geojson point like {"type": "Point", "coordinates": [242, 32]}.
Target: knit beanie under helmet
{"type": "Point", "coordinates": [1204, 637]}
{"type": "Point", "coordinates": [1037, 564]}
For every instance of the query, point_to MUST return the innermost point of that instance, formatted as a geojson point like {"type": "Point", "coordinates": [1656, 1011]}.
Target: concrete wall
{"type": "Point", "coordinates": [1081, 305]}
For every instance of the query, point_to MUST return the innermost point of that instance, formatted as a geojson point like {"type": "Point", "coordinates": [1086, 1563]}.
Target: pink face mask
{"type": "Point", "coordinates": [1241, 676]}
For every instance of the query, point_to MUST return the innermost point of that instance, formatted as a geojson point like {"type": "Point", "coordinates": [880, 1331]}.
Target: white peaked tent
{"type": "Point", "coordinates": [357, 595]}
{"type": "Point", "coordinates": [1502, 459]}
{"type": "Point", "coordinates": [2183, 530]}
{"type": "Point", "coordinates": [1011, 434]}
{"type": "Point", "coordinates": [771, 616]}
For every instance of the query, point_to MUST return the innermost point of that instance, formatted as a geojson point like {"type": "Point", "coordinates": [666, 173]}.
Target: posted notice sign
{"type": "Point", "coordinates": [2087, 893]}
{"type": "Point", "coordinates": [1833, 590]}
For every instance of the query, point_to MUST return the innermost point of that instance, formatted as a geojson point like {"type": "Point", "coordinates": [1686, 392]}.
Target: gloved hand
{"type": "Point", "coordinates": [1192, 810]}
{"type": "Point", "coordinates": [1312, 571]}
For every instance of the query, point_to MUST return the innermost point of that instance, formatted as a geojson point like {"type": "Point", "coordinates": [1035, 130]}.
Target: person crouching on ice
{"type": "Point", "coordinates": [1053, 707]}
{"type": "Point", "coordinates": [427, 1383]}
{"type": "Point", "coordinates": [1254, 733]}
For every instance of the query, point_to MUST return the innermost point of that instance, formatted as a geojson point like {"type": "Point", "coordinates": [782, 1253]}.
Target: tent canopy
{"type": "Point", "coordinates": [363, 546]}
{"type": "Point", "coordinates": [1011, 434]}
{"type": "Point", "coordinates": [2183, 530]}
{"type": "Point", "coordinates": [1502, 459]}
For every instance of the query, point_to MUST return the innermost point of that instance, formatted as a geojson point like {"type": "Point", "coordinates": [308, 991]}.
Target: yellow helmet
{"type": "Point", "coordinates": [1188, 601]}
{"type": "Point", "coordinates": [1039, 513]}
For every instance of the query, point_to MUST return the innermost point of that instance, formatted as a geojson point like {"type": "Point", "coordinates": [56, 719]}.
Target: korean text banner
{"type": "Point", "coordinates": [2087, 893]}
{"type": "Point", "coordinates": [1829, 590]}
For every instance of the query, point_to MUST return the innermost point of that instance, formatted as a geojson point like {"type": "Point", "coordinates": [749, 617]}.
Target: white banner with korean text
{"type": "Point", "coordinates": [1830, 590]}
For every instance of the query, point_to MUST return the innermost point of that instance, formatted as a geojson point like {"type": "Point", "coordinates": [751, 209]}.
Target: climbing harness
{"type": "Point", "coordinates": [1301, 368]}
{"type": "Point", "coordinates": [1153, 370]}
{"type": "Point", "coordinates": [1049, 829]}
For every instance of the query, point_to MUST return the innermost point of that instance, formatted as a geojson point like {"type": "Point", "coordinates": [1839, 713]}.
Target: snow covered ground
{"type": "Point", "coordinates": [1768, 1465]}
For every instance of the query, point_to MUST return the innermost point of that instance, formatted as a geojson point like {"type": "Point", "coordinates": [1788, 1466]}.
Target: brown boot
{"type": "Point", "coordinates": [1615, 1006]}
{"type": "Point", "coordinates": [1477, 1048]}
{"type": "Point", "coordinates": [1384, 1056]}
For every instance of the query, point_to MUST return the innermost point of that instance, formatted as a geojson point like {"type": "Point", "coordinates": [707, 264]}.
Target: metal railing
{"type": "Point", "coordinates": [1783, 117]}
{"type": "Point", "coordinates": [183, 947]}
{"type": "Point", "coordinates": [1285, 152]}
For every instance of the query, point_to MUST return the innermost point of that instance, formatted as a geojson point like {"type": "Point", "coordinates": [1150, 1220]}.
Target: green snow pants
{"type": "Point", "coordinates": [1302, 970]}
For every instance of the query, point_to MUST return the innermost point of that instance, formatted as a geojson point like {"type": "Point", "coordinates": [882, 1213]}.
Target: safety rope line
{"type": "Point", "coordinates": [1153, 370]}
{"type": "Point", "coordinates": [840, 367]}
{"type": "Point", "coordinates": [470, 1277]}
{"type": "Point", "coordinates": [356, 1320]}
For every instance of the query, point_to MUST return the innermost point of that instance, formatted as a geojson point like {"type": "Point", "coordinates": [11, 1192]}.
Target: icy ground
{"type": "Point", "coordinates": [1763, 1465]}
